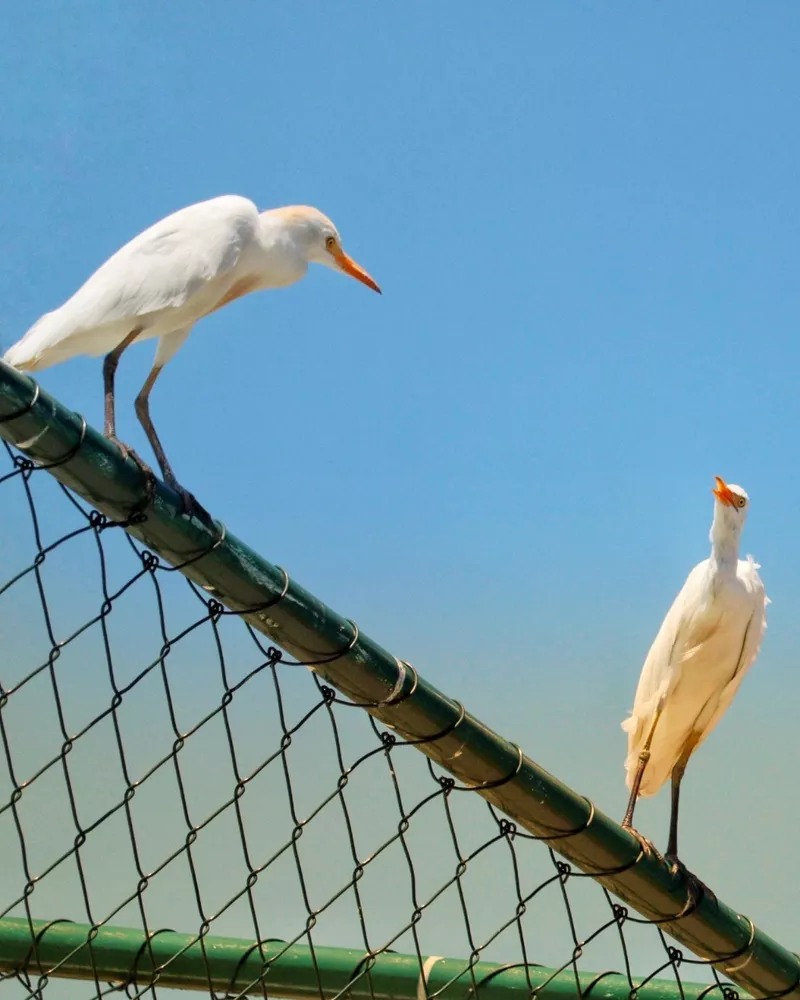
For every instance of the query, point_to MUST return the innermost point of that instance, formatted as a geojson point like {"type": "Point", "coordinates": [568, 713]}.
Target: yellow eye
{"type": "Point", "coordinates": [330, 243]}
{"type": "Point", "coordinates": [741, 502]}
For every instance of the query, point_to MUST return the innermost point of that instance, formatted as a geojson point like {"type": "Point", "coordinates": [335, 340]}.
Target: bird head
{"type": "Point", "coordinates": [732, 503]}
{"type": "Point", "coordinates": [318, 240]}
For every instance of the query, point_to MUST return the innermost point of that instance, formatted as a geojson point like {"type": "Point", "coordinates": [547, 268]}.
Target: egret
{"type": "Point", "coordinates": [159, 284]}
{"type": "Point", "coordinates": [708, 641]}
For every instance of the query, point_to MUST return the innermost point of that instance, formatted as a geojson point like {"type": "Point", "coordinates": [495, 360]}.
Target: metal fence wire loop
{"type": "Point", "coordinates": [333, 656]}
{"type": "Point", "coordinates": [434, 737]}
{"type": "Point", "coordinates": [218, 541]}
{"type": "Point", "coordinates": [26, 408]}
{"type": "Point", "coordinates": [724, 989]}
{"type": "Point", "coordinates": [145, 948]}
{"type": "Point", "coordinates": [37, 939]}
{"type": "Point", "coordinates": [264, 605]}
{"type": "Point", "coordinates": [257, 946]}
{"type": "Point", "coordinates": [71, 452]}
{"type": "Point", "coordinates": [566, 834]}
{"type": "Point", "coordinates": [395, 697]}
{"type": "Point", "coordinates": [597, 979]}
{"type": "Point", "coordinates": [727, 959]}
{"type": "Point", "coordinates": [497, 782]}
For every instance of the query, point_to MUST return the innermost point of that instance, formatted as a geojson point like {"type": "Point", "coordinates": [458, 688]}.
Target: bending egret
{"type": "Point", "coordinates": [708, 641]}
{"type": "Point", "coordinates": [182, 268]}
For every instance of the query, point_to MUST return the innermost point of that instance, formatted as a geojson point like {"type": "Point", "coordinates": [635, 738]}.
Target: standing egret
{"type": "Point", "coordinates": [706, 644]}
{"type": "Point", "coordinates": [182, 268]}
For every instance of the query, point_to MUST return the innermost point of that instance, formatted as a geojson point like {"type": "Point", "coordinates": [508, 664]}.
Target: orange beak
{"type": "Point", "coordinates": [349, 266]}
{"type": "Point", "coordinates": [723, 494]}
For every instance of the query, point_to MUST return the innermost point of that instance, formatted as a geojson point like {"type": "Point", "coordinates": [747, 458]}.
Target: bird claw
{"type": "Point", "coordinates": [649, 849]}
{"type": "Point", "coordinates": [120, 444]}
{"type": "Point", "coordinates": [147, 472]}
{"type": "Point", "coordinates": [128, 452]}
{"type": "Point", "coordinates": [697, 888]}
{"type": "Point", "coordinates": [192, 506]}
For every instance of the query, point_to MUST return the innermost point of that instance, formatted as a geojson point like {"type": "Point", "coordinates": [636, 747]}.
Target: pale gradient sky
{"type": "Point", "coordinates": [584, 221]}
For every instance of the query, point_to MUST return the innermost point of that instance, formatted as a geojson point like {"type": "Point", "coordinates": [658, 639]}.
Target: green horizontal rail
{"type": "Point", "coordinates": [85, 461]}
{"type": "Point", "coordinates": [234, 966]}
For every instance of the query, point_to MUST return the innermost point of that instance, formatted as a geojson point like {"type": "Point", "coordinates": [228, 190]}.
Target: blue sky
{"type": "Point", "coordinates": [583, 218]}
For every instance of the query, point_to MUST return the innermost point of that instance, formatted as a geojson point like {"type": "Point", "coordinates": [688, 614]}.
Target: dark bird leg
{"type": "Point", "coordinates": [109, 371]}
{"type": "Point", "coordinates": [110, 426]}
{"type": "Point", "coordinates": [627, 823]}
{"type": "Point", "coordinates": [677, 777]}
{"type": "Point", "coordinates": [190, 505]}
{"type": "Point", "coordinates": [697, 889]}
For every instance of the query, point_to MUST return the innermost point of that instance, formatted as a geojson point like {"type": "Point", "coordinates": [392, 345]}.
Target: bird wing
{"type": "Point", "coordinates": [158, 269]}
{"type": "Point", "coordinates": [751, 643]}
{"type": "Point", "coordinates": [661, 672]}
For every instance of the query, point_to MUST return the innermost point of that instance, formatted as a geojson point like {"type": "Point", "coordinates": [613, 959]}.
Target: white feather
{"type": "Point", "coordinates": [164, 279]}
{"type": "Point", "coordinates": [707, 642]}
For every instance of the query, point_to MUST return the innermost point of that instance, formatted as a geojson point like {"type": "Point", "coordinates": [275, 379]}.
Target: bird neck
{"type": "Point", "coordinates": [281, 261]}
{"type": "Point", "coordinates": [724, 545]}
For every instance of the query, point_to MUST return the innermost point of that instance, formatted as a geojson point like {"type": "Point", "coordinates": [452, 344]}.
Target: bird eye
{"type": "Point", "coordinates": [741, 502]}
{"type": "Point", "coordinates": [330, 243]}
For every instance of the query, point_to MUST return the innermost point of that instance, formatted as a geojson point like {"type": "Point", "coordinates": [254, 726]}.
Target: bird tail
{"type": "Point", "coordinates": [39, 347]}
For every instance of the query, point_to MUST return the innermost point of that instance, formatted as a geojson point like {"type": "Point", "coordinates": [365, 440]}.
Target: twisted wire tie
{"type": "Point", "coordinates": [25, 409]}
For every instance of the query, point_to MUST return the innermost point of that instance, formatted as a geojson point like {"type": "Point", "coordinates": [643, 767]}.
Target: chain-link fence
{"type": "Point", "coordinates": [166, 769]}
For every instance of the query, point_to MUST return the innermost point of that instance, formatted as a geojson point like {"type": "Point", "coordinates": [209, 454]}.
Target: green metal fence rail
{"type": "Point", "coordinates": [391, 690]}
{"type": "Point", "coordinates": [74, 951]}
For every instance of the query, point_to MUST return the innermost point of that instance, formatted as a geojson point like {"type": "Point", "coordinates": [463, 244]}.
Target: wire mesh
{"type": "Point", "coordinates": [164, 768]}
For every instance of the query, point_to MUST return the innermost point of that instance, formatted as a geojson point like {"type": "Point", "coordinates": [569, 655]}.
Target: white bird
{"type": "Point", "coordinates": [182, 268]}
{"type": "Point", "coordinates": [709, 639]}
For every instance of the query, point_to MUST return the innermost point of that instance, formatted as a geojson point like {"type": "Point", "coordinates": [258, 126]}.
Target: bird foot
{"type": "Point", "coordinates": [697, 889]}
{"type": "Point", "coordinates": [147, 472]}
{"type": "Point", "coordinates": [192, 506]}
{"type": "Point", "coordinates": [128, 452]}
{"type": "Point", "coordinates": [649, 849]}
